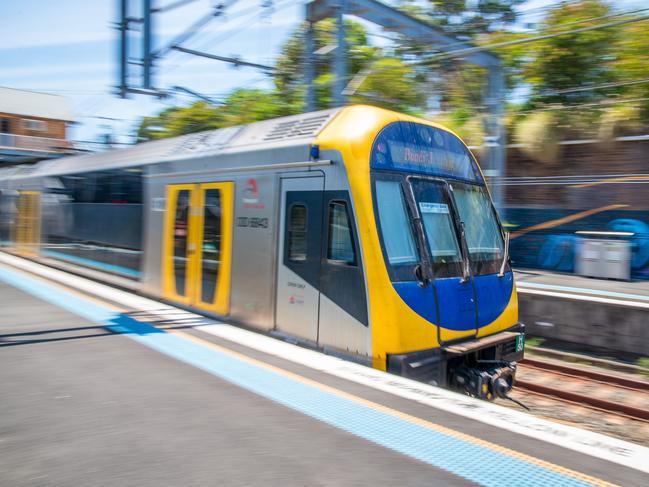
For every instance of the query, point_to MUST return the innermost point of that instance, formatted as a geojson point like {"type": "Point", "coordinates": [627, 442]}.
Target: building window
{"type": "Point", "coordinates": [297, 236]}
{"type": "Point", "coordinates": [35, 125]}
{"type": "Point", "coordinates": [341, 246]}
{"type": "Point", "coordinates": [5, 125]}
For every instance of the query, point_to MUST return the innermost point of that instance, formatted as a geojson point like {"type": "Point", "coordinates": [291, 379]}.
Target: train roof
{"type": "Point", "coordinates": [275, 141]}
{"type": "Point", "coordinates": [294, 130]}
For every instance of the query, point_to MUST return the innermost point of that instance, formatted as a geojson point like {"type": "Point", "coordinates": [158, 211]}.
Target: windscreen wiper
{"type": "Point", "coordinates": [501, 273]}
{"type": "Point", "coordinates": [466, 270]}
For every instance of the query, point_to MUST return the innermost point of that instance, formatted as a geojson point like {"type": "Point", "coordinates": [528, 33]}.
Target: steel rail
{"type": "Point", "coordinates": [583, 400]}
{"type": "Point", "coordinates": [588, 373]}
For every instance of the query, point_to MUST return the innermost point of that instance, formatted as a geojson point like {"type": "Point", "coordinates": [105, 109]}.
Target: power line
{"type": "Point", "coordinates": [472, 50]}
{"type": "Point", "coordinates": [602, 17]}
{"type": "Point", "coordinates": [599, 87]}
{"type": "Point", "coordinates": [193, 29]}
{"type": "Point", "coordinates": [236, 61]}
{"type": "Point", "coordinates": [586, 105]}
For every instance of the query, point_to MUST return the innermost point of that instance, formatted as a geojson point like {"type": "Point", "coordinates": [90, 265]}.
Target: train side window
{"type": "Point", "coordinates": [340, 246]}
{"type": "Point", "coordinates": [297, 233]}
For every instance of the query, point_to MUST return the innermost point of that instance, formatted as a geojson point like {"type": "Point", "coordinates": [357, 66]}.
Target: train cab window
{"type": "Point", "coordinates": [340, 247]}
{"type": "Point", "coordinates": [395, 226]}
{"type": "Point", "coordinates": [484, 240]}
{"type": "Point", "coordinates": [297, 233]}
{"type": "Point", "coordinates": [437, 218]}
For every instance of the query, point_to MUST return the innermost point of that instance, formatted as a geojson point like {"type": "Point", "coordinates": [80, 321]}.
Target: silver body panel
{"type": "Point", "coordinates": [298, 302]}
{"type": "Point", "coordinates": [270, 152]}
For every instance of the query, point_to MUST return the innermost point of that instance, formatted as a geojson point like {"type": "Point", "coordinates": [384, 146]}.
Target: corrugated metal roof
{"type": "Point", "coordinates": [33, 104]}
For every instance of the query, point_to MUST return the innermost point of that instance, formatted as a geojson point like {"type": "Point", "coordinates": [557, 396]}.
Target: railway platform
{"type": "Point", "coordinates": [571, 283]}
{"type": "Point", "coordinates": [595, 315]}
{"type": "Point", "coordinates": [101, 386]}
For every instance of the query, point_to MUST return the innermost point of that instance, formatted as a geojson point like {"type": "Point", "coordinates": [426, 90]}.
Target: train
{"type": "Point", "coordinates": [358, 231]}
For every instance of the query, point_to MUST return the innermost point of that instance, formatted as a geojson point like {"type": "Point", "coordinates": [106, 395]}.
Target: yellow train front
{"type": "Point", "coordinates": [358, 231]}
{"type": "Point", "coordinates": [443, 305]}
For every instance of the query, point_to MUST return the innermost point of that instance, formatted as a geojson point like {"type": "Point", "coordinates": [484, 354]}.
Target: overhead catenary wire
{"type": "Point", "coordinates": [233, 30]}
{"type": "Point", "coordinates": [472, 50]}
{"type": "Point", "coordinates": [599, 87]}
{"type": "Point", "coordinates": [601, 17]}
{"type": "Point", "coordinates": [587, 105]}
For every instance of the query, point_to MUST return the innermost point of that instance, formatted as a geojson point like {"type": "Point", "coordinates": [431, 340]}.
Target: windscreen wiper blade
{"type": "Point", "coordinates": [466, 269]}
{"type": "Point", "coordinates": [501, 272]}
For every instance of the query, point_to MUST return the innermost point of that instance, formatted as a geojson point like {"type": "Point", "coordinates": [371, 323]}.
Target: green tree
{"type": "Point", "coordinates": [379, 79]}
{"type": "Point", "coordinates": [179, 121]}
{"type": "Point", "coordinates": [241, 107]}
{"type": "Point", "coordinates": [631, 64]}
{"type": "Point", "coordinates": [384, 81]}
{"type": "Point", "coordinates": [469, 18]}
{"type": "Point", "coordinates": [568, 61]}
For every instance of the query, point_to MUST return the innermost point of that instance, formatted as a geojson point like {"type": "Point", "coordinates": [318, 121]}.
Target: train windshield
{"type": "Point", "coordinates": [482, 232]}
{"type": "Point", "coordinates": [435, 208]}
{"type": "Point", "coordinates": [425, 172]}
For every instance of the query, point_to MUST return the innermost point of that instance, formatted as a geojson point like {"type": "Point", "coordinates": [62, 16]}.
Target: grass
{"type": "Point", "coordinates": [644, 363]}
{"type": "Point", "coordinates": [534, 341]}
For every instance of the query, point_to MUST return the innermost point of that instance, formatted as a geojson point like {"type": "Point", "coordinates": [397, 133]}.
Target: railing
{"type": "Point", "coordinates": [30, 143]}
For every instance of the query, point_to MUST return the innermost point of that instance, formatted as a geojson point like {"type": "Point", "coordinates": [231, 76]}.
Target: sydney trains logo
{"type": "Point", "coordinates": [251, 195]}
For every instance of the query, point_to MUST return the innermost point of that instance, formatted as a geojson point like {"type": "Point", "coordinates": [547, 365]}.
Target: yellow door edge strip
{"type": "Point", "coordinates": [221, 303]}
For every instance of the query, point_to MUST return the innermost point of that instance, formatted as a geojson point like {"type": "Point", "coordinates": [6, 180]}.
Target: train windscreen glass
{"type": "Point", "coordinates": [448, 193]}
{"type": "Point", "coordinates": [483, 237]}
{"type": "Point", "coordinates": [435, 209]}
{"type": "Point", "coordinates": [395, 225]}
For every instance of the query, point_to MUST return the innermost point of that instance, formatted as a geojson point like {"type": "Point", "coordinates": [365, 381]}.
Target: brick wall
{"type": "Point", "coordinates": [55, 129]}
{"type": "Point", "coordinates": [618, 157]}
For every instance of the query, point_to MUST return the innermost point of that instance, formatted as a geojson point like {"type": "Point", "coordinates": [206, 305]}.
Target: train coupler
{"type": "Point", "coordinates": [485, 380]}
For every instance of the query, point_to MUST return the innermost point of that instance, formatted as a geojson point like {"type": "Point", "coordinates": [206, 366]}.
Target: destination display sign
{"type": "Point", "coordinates": [411, 147]}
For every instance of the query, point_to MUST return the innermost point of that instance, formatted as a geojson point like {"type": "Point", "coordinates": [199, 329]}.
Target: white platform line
{"type": "Point", "coordinates": [582, 290]}
{"type": "Point", "coordinates": [586, 442]}
{"type": "Point", "coordinates": [582, 297]}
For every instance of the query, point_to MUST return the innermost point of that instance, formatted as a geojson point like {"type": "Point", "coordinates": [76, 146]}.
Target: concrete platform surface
{"type": "Point", "coordinates": [97, 395]}
{"type": "Point", "coordinates": [553, 281]}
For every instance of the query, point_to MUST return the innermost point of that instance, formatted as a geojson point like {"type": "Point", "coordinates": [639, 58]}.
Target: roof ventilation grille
{"type": "Point", "coordinates": [297, 128]}
{"type": "Point", "coordinates": [211, 141]}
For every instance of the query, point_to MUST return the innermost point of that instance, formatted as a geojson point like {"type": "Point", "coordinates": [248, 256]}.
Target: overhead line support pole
{"type": "Point", "coordinates": [495, 139]}
{"type": "Point", "coordinates": [123, 47]}
{"type": "Point", "coordinates": [309, 67]}
{"type": "Point", "coordinates": [340, 57]}
{"type": "Point", "coordinates": [147, 55]}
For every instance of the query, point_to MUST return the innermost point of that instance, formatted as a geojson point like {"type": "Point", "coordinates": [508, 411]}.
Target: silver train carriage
{"type": "Point", "coordinates": [359, 231]}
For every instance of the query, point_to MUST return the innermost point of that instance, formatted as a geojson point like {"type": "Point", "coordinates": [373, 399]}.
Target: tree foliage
{"type": "Point", "coordinates": [388, 81]}
{"type": "Point", "coordinates": [241, 107]}
{"type": "Point", "coordinates": [469, 18]}
{"type": "Point", "coordinates": [569, 61]}
{"type": "Point", "coordinates": [603, 64]}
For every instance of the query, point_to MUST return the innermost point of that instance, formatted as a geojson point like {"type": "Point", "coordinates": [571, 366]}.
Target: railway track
{"type": "Point", "coordinates": [612, 393]}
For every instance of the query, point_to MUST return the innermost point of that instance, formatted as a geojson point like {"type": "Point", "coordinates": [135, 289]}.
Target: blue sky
{"type": "Point", "coordinates": [69, 48]}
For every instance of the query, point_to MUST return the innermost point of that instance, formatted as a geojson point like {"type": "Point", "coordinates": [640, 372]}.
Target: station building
{"type": "Point", "coordinates": [33, 126]}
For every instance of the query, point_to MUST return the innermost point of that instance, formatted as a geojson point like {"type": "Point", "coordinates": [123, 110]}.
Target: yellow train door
{"type": "Point", "coordinates": [27, 225]}
{"type": "Point", "coordinates": [197, 250]}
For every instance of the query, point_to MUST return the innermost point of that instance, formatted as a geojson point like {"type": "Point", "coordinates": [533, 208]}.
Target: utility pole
{"type": "Point", "coordinates": [147, 57]}
{"type": "Point", "coordinates": [151, 54]}
{"type": "Point", "coordinates": [340, 57]}
{"type": "Point", "coordinates": [123, 47]}
{"type": "Point", "coordinates": [309, 67]}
